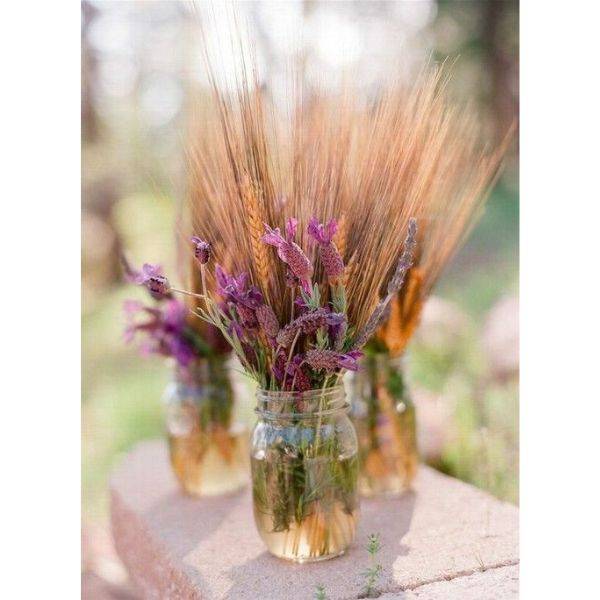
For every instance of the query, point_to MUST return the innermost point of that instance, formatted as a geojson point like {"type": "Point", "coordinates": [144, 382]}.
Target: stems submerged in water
{"type": "Point", "coordinates": [208, 453]}
{"type": "Point", "coordinates": [384, 417]}
{"type": "Point", "coordinates": [304, 473]}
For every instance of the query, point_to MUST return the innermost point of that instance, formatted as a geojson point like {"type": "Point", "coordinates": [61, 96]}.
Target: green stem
{"type": "Point", "coordinates": [320, 419]}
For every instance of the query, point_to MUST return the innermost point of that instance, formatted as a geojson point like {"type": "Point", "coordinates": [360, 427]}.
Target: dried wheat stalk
{"type": "Point", "coordinates": [410, 154]}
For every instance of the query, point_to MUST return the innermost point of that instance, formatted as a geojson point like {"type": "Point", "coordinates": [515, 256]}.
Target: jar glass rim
{"type": "Point", "coordinates": [277, 404]}
{"type": "Point", "coordinates": [327, 392]}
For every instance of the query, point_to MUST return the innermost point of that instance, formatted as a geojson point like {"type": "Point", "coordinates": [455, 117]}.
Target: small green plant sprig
{"type": "Point", "coordinates": [320, 593]}
{"type": "Point", "coordinates": [374, 571]}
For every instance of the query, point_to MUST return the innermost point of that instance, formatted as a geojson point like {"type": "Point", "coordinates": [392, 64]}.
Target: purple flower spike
{"type": "Point", "coordinates": [330, 257]}
{"type": "Point", "coordinates": [164, 330]}
{"type": "Point", "coordinates": [223, 280]}
{"type": "Point", "coordinates": [235, 328]}
{"type": "Point", "coordinates": [174, 315]}
{"type": "Point", "coordinates": [290, 253]}
{"type": "Point", "coordinates": [297, 374]}
{"type": "Point", "coordinates": [245, 299]}
{"type": "Point", "coordinates": [307, 324]}
{"type": "Point", "coordinates": [247, 316]}
{"type": "Point", "coordinates": [267, 320]}
{"type": "Point", "coordinates": [322, 233]}
{"type": "Point", "coordinates": [330, 360]}
{"type": "Point", "coordinates": [278, 368]}
{"type": "Point", "coordinates": [151, 276]}
{"type": "Point", "coordinates": [236, 290]}
{"type": "Point", "coordinates": [349, 360]}
{"type": "Point", "coordinates": [202, 250]}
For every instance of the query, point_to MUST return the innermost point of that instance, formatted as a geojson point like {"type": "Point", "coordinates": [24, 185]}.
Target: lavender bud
{"type": "Point", "coordinates": [301, 380]}
{"type": "Point", "coordinates": [298, 261]}
{"type": "Point", "coordinates": [330, 360]}
{"type": "Point", "coordinates": [332, 261]}
{"type": "Point", "coordinates": [289, 252]}
{"type": "Point", "coordinates": [158, 285]}
{"type": "Point", "coordinates": [322, 359]}
{"type": "Point", "coordinates": [406, 259]}
{"type": "Point", "coordinates": [267, 320]}
{"type": "Point", "coordinates": [333, 264]}
{"type": "Point", "coordinates": [307, 324]}
{"type": "Point", "coordinates": [247, 316]}
{"type": "Point", "coordinates": [393, 288]}
{"type": "Point", "coordinates": [286, 335]}
{"type": "Point", "coordinates": [371, 325]}
{"type": "Point", "coordinates": [202, 250]}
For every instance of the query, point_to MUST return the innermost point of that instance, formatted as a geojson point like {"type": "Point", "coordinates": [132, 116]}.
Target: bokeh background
{"type": "Point", "coordinates": [139, 62]}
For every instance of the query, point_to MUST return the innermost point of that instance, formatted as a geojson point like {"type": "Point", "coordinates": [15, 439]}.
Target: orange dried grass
{"type": "Point", "coordinates": [410, 154]}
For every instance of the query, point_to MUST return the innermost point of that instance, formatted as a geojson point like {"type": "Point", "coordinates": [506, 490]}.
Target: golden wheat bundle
{"type": "Point", "coordinates": [429, 161]}
{"type": "Point", "coordinates": [369, 166]}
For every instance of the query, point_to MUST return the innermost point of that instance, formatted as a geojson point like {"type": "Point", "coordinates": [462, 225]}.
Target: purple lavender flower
{"type": "Point", "coordinates": [151, 276]}
{"type": "Point", "coordinates": [174, 315]}
{"type": "Point", "coordinates": [294, 374]}
{"type": "Point", "coordinates": [235, 328]}
{"type": "Point", "coordinates": [323, 234]}
{"type": "Point", "coordinates": [247, 316]}
{"type": "Point", "coordinates": [226, 283]}
{"type": "Point", "coordinates": [250, 355]}
{"type": "Point", "coordinates": [246, 299]}
{"type": "Point", "coordinates": [165, 330]}
{"type": "Point", "coordinates": [202, 250]}
{"type": "Point", "coordinates": [181, 351]}
{"type": "Point", "coordinates": [330, 257]}
{"type": "Point", "coordinates": [337, 334]}
{"type": "Point", "coordinates": [268, 320]}
{"type": "Point", "coordinates": [394, 286]}
{"type": "Point", "coordinates": [298, 378]}
{"type": "Point", "coordinates": [307, 324]}
{"type": "Point", "coordinates": [301, 306]}
{"type": "Point", "coordinates": [330, 360]}
{"type": "Point", "coordinates": [236, 289]}
{"type": "Point", "coordinates": [278, 367]}
{"type": "Point", "coordinates": [290, 253]}
{"type": "Point", "coordinates": [349, 360]}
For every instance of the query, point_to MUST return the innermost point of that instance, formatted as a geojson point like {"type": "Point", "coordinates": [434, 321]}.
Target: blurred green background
{"type": "Point", "coordinates": [139, 60]}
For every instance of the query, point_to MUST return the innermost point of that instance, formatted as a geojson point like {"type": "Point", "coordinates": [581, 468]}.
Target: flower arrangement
{"type": "Point", "coordinates": [303, 218]}
{"type": "Point", "coordinates": [207, 449]}
{"type": "Point", "coordinates": [304, 459]}
{"type": "Point", "coordinates": [317, 343]}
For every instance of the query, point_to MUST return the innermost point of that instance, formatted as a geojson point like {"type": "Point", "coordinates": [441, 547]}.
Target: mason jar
{"type": "Point", "coordinates": [385, 421]}
{"type": "Point", "coordinates": [304, 459]}
{"type": "Point", "coordinates": [208, 449]}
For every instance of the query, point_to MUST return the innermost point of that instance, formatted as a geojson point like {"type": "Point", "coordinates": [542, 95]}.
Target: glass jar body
{"type": "Point", "coordinates": [304, 462]}
{"type": "Point", "coordinates": [385, 421]}
{"type": "Point", "coordinates": [208, 450]}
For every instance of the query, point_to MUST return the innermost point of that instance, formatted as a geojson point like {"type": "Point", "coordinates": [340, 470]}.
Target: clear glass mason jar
{"type": "Point", "coordinates": [208, 450]}
{"type": "Point", "coordinates": [304, 462]}
{"type": "Point", "coordinates": [385, 421]}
